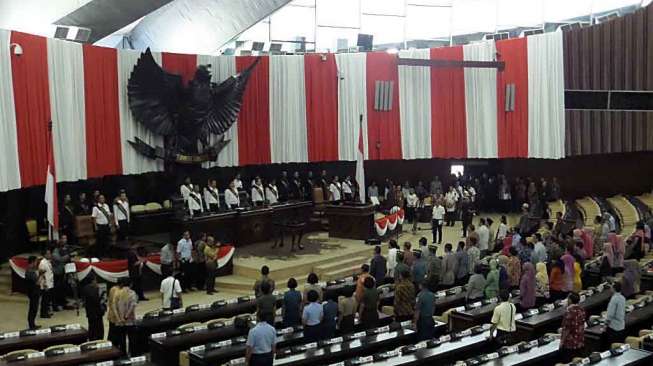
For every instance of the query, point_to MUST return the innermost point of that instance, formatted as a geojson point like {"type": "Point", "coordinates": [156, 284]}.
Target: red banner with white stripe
{"type": "Point", "coordinates": [299, 108]}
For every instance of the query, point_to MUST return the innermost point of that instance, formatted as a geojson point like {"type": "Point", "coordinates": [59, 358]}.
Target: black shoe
{"type": "Point", "coordinates": [35, 327]}
{"type": "Point", "coordinates": [143, 299]}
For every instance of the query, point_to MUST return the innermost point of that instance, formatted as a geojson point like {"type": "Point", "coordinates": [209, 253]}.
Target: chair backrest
{"type": "Point", "coordinates": [58, 346]}
{"type": "Point", "coordinates": [153, 206]}
{"type": "Point", "coordinates": [17, 353]}
{"type": "Point", "coordinates": [32, 229]}
{"type": "Point", "coordinates": [138, 208]}
{"type": "Point", "coordinates": [318, 195]}
{"type": "Point", "coordinates": [167, 204]}
{"type": "Point", "coordinates": [188, 325]}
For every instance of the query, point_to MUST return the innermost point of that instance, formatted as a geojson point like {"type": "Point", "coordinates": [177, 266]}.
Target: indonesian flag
{"type": "Point", "coordinates": [360, 159]}
{"type": "Point", "coordinates": [51, 190]}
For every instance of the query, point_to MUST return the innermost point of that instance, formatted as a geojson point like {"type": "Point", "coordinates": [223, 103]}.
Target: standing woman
{"type": "Point", "coordinates": [514, 268]}
{"type": "Point", "coordinates": [631, 279]}
{"type": "Point", "coordinates": [392, 257]}
{"type": "Point", "coordinates": [568, 261]}
{"type": "Point", "coordinates": [619, 250]}
{"type": "Point", "coordinates": [578, 271]}
{"type": "Point", "coordinates": [527, 287]}
{"type": "Point", "coordinates": [492, 281]}
{"type": "Point", "coordinates": [557, 282]}
{"type": "Point", "coordinates": [541, 283]}
{"type": "Point", "coordinates": [211, 258]}
{"type": "Point", "coordinates": [607, 261]}
{"type": "Point", "coordinates": [367, 309]}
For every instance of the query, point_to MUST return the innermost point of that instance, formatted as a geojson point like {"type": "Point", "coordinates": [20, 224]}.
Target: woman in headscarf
{"type": "Point", "coordinates": [504, 278]}
{"type": "Point", "coordinates": [568, 278]}
{"type": "Point", "coordinates": [541, 283]}
{"type": "Point", "coordinates": [492, 280]}
{"type": "Point", "coordinates": [631, 280]}
{"type": "Point", "coordinates": [527, 286]}
{"type": "Point", "coordinates": [514, 268]}
{"type": "Point", "coordinates": [557, 282]}
{"type": "Point", "coordinates": [638, 242]}
{"type": "Point", "coordinates": [607, 261]}
{"type": "Point", "coordinates": [586, 241]}
{"type": "Point", "coordinates": [618, 249]}
{"type": "Point", "coordinates": [578, 271]}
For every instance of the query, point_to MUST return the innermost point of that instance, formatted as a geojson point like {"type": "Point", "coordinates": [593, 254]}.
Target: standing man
{"type": "Point", "coordinates": [200, 262]}
{"type": "Point", "coordinates": [136, 259]}
{"type": "Point", "coordinates": [68, 217]}
{"type": "Point", "coordinates": [184, 252]}
{"type": "Point", "coordinates": [195, 206]}
{"type": "Point", "coordinates": [483, 237]}
{"type": "Point", "coordinates": [378, 268]}
{"type": "Point", "coordinates": [60, 257]}
{"type": "Point", "coordinates": [258, 192]}
{"type": "Point", "coordinates": [347, 189]}
{"type": "Point", "coordinates": [424, 310]}
{"type": "Point", "coordinates": [211, 254]}
{"type": "Point", "coordinates": [324, 184]}
{"type": "Point", "coordinates": [102, 219]}
{"type": "Point", "coordinates": [170, 291]}
{"type": "Point", "coordinates": [33, 291]}
{"type": "Point", "coordinates": [238, 183]}
{"type": "Point", "coordinates": [265, 277]}
{"type": "Point", "coordinates": [261, 342]}
{"type": "Point", "coordinates": [404, 301]}
{"type": "Point", "coordinates": [272, 193]}
{"type": "Point", "coordinates": [309, 183]}
{"type": "Point", "coordinates": [615, 319]}
{"type": "Point", "coordinates": [47, 283]}
{"type": "Point", "coordinates": [168, 258]}
{"type": "Point", "coordinates": [231, 197]}
{"type": "Point", "coordinates": [296, 189]}
{"type": "Point", "coordinates": [438, 221]}
{"type": "Point", "coordinates": [335, 189]}
{"type": "Point", "coordinates": [503, 320]}
{"type": "Point", "coordinates": [94, 309]}
{"type": "Point", "coordinates": [284, 187]}
{"type": "Point", "coordinates": [450, 200]}
{"type": "Point", "coordinates": [186, 188]}
{"type": "Point", "coordinates": [212, 196]}
{"type": "Point", "coordinates": [121, 214]}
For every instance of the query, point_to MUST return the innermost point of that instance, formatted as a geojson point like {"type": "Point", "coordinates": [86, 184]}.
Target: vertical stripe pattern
{"type": "Point", "coordinates": [288, 140]}
{"type": "Point", "coordinates": [415, 107]}
{"type": "Point", "coordinates": [481, 102]}
{"type": "Point", "coordinates": [321, 83]}
{"type": "Point", "coordinates": [9, 165]}
{"type": "Point", "coordinates": [352, 103]}
{"type": "Point", "coordinates": [254, 117]}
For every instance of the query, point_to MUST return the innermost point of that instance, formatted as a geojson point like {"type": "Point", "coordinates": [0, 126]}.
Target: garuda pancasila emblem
{"type": "Point", "coordinates": [186, 117]}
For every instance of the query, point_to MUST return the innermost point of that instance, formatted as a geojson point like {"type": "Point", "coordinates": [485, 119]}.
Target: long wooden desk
{"type": "Point", "coordinates": [537, 325]}
{"type": "Point", "coordinates": [350, 221]}
{"type": "Point", "coordinates": [537, 356]}
{"type": "Point", "coordinates": [243, 226]}
{"type": "Point", "coordinates": [443, 354]}
{"type": "Point", "coordinates": [632, 357]}
{"type": "Point", "coordinates": [165, 351]}
{"type": "Point", "coordinates": [595, 337]}
{"type": "Point", "coordinates": [42, 341]}
{"type": "Point", "coordinates": [461, 320]}
{"type": "Point", "coordinates": [69, 358]}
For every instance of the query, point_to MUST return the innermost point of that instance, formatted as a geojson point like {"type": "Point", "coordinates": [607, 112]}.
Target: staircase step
{"type": "Point", "coordinates": [15, 298]}
{"type": "Point", "coordinates": [345, 263]}
{"type": "Point", "coordinates": [340, 273]}
{"type": "Point", "coordinates": [246, 284]}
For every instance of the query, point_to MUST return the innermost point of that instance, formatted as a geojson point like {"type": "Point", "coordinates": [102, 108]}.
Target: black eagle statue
{"type": "Point", "coordinates": [184, 116]}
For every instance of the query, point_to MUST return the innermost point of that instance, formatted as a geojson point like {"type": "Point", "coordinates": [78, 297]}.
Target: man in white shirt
{"type": "Point", "coordinates": [238, 184]}
{"type": "Point", "coordinates": [195, 206]}
{"type": "Point", "coordinates": [170, 288]}
{"type": "Point", "coordinates": [102, 218]}
{"type": "Point", "coordinates": [346, 189]}
{"type": "Point", "coordinates": [272, 193]}
{"type": "Point", "coordinates": [258, 193]}
{"type": "Point", "coordinates": [450, 201]}
{"type": "Point", "coordinates": [121, 215]}
{"type": "Point", "coordinates": [231, 197]}
{"type": "Point", "coordinates": [46, 283]}
{"type": "Point", "coordinates": [184, 252]}
{"type": "Point", "coordinates": [483, 237]}
{"type": "Point", "coordinates": [186, 188]}
{"type": "Point", "coordinates": [212, 196]}
{"type": "Point", "coordinates": [437, 221]}
{"type": "Point", "coordinates": [335, 189]}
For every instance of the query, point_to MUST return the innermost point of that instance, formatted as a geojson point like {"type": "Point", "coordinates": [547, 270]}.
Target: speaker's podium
{"type": "Point", "coordinates": [350, 220]}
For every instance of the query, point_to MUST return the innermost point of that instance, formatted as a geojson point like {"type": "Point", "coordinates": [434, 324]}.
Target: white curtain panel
{"type": "Point", "coordinates": [132, 161]}
{"type": "Point", "coordinates": [352, 102]}
{"type": "Point", "coordinates": [9, 165]}
{"type": "Point", "coordinates": [67, 106]}
{"type": "Point", "coordinates": [288, 141]}
{"type": "Point", "coordinates": [546, 96]}
{"type": "Point", "coordinates": [481, 102]}
{"type": "Point", "coordinates": [222, 67]}
{"type": "Point", "coordinates": [415, 106]}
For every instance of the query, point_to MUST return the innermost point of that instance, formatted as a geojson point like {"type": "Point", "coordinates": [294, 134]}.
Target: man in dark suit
{"type": "Point", "coordinates": [94, 309]}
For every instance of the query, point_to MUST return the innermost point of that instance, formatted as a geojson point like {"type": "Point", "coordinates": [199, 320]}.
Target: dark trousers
{"type": "Point", "coordinates": [210, 277]}
{"type": "Point", "coordinates": [137, 285]}
{"type": "Point", "coordinates": [187, 279]}
{"type": "Point", "coordinates": [118, 336]}
{"type": "Point", "coordinates": [102, 240]}
{"type": "Point", "coordinates": [60, 289]}
{"type": "Point", "coordinates": [312, 332]}
{"type": "Point", "coordinates": [123, 229]}
{"type": "Point", "coordinates": [567, 354]}
{"type": "Point", "coordinates": [450, 217]}
{"type": "Point", "coordinates": [403, 318]}
{"type": "Point", "coordinates": [200, 275]}
{"type": "Point", "coordinates": [214, 207]}
{"type": "Point", "coordinates": [95, 328]}
{"type": "Point", "coordinates": [166, 268]}
{"type": "Point", "coordinates": [261, 359]}
{"type": "Point", "coordinates": [410, 214]}
{"type": "Point", "coordinates": [466, 224]}
{"type": "Point", "coordinates": [614, 336]}
{"type": "Point", "coordinates": [437, 231]}
{"type": "Point", "coordinates": [33, 309]}
{"type": "Point", "coordinates": [425, 326]}
{"type": "Point", "coordinates": [46, 301]}
{"type": "Point", "coordinates": [347, 324]}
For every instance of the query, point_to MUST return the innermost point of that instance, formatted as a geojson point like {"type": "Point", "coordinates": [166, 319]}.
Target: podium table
{"type": "Point", "coordinates": [350, 221]}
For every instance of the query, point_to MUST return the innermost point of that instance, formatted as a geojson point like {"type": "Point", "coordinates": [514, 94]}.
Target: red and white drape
{"type": "Point", "coordinates": [112, 270]}
{"type": "Point", "coordinates": [389, 222]}
{"type": "Point", "coordinates": [295, 109]}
